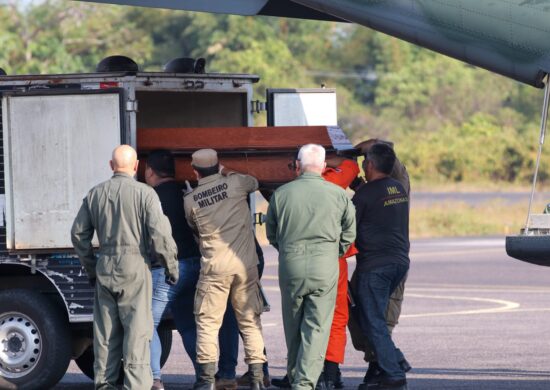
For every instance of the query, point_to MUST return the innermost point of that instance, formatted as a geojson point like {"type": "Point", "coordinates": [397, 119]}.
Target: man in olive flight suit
{"type": "Point", "coordinates": [128, 218]}
{"type": "Point", "coordinates": [311, 222]}
{"type": "Point", "coordinates": [218, 212]}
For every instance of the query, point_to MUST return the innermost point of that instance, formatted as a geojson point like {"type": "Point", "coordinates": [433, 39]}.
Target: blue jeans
{"type": "Point", "coordinates": [179, 299]}
{"type": "Point", "coordinates": [374, 288]}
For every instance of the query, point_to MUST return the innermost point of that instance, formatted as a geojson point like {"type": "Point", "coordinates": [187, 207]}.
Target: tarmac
{"type": "Point", "coordinates": [473, 318]}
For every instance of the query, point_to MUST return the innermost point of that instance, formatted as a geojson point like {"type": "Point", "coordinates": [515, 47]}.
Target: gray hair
{"type": "Point", "coordinates": [311, 156]}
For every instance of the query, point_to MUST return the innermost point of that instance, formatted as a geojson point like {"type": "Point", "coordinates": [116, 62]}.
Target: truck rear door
{"type": "Point", "coordinates": [57, 145]}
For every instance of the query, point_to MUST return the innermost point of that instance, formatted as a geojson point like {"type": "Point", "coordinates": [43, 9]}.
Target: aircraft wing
{"type": "Point", "coordinates": [284, 8]}
{"type": "Point", "coordinates": [509, 37]}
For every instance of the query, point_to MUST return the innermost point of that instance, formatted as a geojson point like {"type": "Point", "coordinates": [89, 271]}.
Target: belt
{"type": "Point", "coordinates": [121, 250]}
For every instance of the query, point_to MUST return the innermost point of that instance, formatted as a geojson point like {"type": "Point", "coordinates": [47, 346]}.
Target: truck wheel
{"type": "Point", "coordinates": [35, 342]}
{"type": "Point", "coordinates": [86, 361]}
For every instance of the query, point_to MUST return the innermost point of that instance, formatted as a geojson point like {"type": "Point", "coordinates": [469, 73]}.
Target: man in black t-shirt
{"type": "Point", "coordinates": [160, 174]}
{"type": "Point", "coordinates": [382, 214]}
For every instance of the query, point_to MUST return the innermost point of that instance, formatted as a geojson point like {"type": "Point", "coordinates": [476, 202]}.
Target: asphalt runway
{"type": "Point", "coordinates": [473, 318]}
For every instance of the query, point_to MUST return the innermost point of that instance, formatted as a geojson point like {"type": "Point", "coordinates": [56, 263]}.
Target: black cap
{"type": "Point", "coordinates": [162, 162]}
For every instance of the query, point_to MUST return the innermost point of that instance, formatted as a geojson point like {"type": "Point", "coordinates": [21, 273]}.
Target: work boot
{"type": "Point", "coordinates": [283, 383]}
{"type": "Point", "coordinates": [330, 372]}
{"type": "Point", "coordinates": [405, 366]}
{"type": "Point", "coordinates": [339, 384]}
{"type": "Point", "coordinates": [226, 384]}
{"type": "Point", "coordinates": [386, 383]}
{"type": "Point", "coordinates": [207, 372]}
{"type": "Point", "coordinates": [256, 376]}
{"type": "Point", "coordinates": [321, 384]}
{"type": "Point", "coordinates": [245, 380]}
{"type": "Point", "coordinates": [373, 374]}
{"type": "Point", "coordinates": [157, 385]}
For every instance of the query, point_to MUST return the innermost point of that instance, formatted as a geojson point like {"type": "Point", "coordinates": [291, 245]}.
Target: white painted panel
{"type": "Point", "coordinates": [57, 148]}
{"type": "Point", "coordinates": [305, 108]}
{"type": "Point", "coordinates": [539, 221]}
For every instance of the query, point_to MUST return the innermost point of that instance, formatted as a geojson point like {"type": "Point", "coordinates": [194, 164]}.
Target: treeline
{"type": "Point", "coordinates": [450, 121]}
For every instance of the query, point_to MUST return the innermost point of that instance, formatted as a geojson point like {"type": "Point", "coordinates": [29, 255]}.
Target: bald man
{"type": "Point", "coordinates": [130, 224]}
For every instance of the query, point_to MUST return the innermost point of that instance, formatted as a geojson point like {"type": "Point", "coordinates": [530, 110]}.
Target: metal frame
{"type": "Point", "coordinates": [544, 117]}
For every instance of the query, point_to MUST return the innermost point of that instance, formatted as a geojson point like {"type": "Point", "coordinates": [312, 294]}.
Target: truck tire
{"type": "Point", "coordinates": [86, 361]}
{"type": "Point", "coordinates": [35, 342]}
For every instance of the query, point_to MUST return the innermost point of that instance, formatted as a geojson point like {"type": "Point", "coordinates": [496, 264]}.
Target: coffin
{"type": "Point", "coordinates": [263, 152]}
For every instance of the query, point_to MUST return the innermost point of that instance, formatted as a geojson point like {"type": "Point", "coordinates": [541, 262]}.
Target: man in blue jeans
{"type": "Point", "coordinates": [160, 174]}
{"type": "Point", "coordinates": [382, 214]}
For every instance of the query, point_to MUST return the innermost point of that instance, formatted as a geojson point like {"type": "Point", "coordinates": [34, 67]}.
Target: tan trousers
{"type": "Point", "coordinates": [393, 311]}
{"type": "Point", "coordinates": [211, 298]}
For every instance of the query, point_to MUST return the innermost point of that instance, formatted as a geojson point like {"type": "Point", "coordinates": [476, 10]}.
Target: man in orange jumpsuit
{"type": "Point", "coordinates": [342, 172]}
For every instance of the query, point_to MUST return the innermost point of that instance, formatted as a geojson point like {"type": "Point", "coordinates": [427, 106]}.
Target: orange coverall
{"type": "Point", "coordinates": [342, 176]}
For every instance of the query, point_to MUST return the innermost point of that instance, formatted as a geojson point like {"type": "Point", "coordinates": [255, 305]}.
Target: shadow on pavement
{"type": "Point", "coordinates": [477, 384]}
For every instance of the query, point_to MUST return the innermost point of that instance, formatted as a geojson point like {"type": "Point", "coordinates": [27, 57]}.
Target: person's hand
{"type": "Point", "coordinates": [356, 183]}
{"type": "Point", "coordinates": [187, 188]}
{"type": "Point", "coordinates": [171, 280]}
{"type": "Point", "coordinates": [365, 145]}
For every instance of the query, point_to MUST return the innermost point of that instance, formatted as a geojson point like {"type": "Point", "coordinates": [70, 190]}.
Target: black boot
{"type": "Point", "coordinates": [207, 372]}
{"type": "Point", "coordinates": [405, 366]}
{"type": "Point", "coordinates": [321, 384]}
{"type": "Point", "coordinates": [373, 374]}
{"type": "Point", "coordinates": [283, 383]}
{"type": "Point", "coordinates": [339, 384]}
{"type": "Point", "coordinates": [256, 376]}
{"type": "Point", "coordinates": [330, 372]}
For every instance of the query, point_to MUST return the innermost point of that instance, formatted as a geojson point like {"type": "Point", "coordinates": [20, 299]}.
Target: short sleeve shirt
{"type": "Point", "coordinates": [382, 208]}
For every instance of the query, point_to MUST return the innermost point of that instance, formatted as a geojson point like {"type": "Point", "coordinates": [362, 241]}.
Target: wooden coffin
{"type": "Point", "coordinates": [263, 152]}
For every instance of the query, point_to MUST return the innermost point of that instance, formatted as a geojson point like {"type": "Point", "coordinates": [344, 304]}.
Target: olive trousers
{"type": "Point", "coordinates": [123, 322]}
{"type": "Point", "coordinates": [308, 280]}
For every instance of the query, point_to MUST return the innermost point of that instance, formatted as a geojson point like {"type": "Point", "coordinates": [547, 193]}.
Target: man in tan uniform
{"type": "Point", "coordinates": [217, 210]}
{"type": "Point", "coordinates": [128, 218]}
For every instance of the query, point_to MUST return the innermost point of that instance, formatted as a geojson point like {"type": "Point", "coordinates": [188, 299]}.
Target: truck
{"type": "Point", "coordinates": [57, 133]}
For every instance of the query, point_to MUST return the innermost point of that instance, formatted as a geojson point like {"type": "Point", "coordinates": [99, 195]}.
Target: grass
{"type": "Point", "coordinates": [455, 219]}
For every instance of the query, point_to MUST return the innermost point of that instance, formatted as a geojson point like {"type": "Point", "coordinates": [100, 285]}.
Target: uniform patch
{"type": "Point", "coordinates": [211, 196]}
{"type": "Point", "coordinates": [391, 202]}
